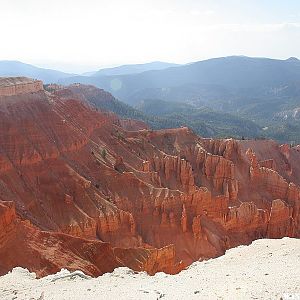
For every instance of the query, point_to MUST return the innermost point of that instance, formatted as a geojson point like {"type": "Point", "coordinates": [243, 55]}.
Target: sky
{"type": "Point", "coordinates": [84, 35]}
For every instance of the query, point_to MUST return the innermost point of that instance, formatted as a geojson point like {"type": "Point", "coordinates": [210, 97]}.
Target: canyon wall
{"type": "Point", "coordinates": [151, 200]}
{"type": "Point", "coordinates": [19, 85]}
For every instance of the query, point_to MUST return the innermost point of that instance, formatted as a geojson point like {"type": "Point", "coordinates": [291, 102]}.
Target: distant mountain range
{"type": "Point", "coordinates": [263, 91]}
{"type": "Point", "coordinates": [133, 69]}
{"type": "Point", "coordinates": [200, 82]}
{"type": "Point", "coordinates": [17, 68]}
{"type": "Point", "coordinates": [10, 68]}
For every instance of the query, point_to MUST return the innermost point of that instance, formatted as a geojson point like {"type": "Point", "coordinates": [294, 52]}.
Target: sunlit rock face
{"type": "Point", "coordinates": [74, 181]}
{"type": "Point", "coordinates": [10, 86]}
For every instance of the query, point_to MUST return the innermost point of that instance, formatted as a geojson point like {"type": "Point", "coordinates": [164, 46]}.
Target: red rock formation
{"type": "Point", "coordinates": [164, 198]}
{"type": "Point", "coordinates": [119, 164]}
{"type": "Point", "coordinates": [281, 222]}
{"type": "Point", "coordinates": [268, 163]}
{"type": "Point", "coordinates": [19, 85]}
{"type": "Point", "coordinates": [150, 260]}
{"type": "Point", "coordinates": [7, 219]}
{"type": "Point", "coordinates": [133, 125]}
{"type": "Point", "coordinates": [47, 252]}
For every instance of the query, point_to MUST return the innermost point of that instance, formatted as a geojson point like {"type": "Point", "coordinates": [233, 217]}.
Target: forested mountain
{"type": "Point", "coordinates": [212, 81]}
{"type": "Point", "coordinates": [160, 114]}
{"type": "Point", "coordinates": [133, 68]}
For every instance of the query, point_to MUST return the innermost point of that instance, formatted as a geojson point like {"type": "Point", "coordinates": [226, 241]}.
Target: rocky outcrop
{"type": "Point", "coordinates": [133, 125]}
{"type": "Point", "coordinates": [8, 219]}
{"type": "Point", "coordinates": [228, 148]}
{"type": "Point", "coordinates": [174, 169]}
{"type": "Point", "coordinates": [49, 252]}
{"type": "Point", "coordinates": [150, 260]}
{"type": "Point", "coordinates": [270, 180]}
{"type": "Point", "coordinates": [119, 164]}
{"type": "Point", "coordinates": [268, 163]}
{"type": "Point", "coordinates": [12, 86]}
{"type": "Point", "coordinates": [281, 222]}
{"type": "Point", "coordinates": [246, 222]}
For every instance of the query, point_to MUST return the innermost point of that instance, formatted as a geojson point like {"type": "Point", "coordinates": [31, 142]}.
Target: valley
{"type": "Point", "coordinates": [78, 184]}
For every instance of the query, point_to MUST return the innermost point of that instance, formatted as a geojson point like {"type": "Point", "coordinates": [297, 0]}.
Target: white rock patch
{"type": "Point", "coordinates": [267, 269]}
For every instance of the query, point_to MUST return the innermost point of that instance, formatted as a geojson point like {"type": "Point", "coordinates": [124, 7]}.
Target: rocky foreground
{"type": "Point", "coordinates": [267, 269]}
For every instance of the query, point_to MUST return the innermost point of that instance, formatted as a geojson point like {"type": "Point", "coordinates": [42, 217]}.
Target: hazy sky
{"type": "Point", "coordinates": [82, 35]}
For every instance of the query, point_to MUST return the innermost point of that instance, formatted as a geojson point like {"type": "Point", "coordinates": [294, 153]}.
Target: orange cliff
{"type": "Point", "coordinates": [73, 180]}
{"type": "Point", "coordinates": [43, 252]}
{"type": "Point", "coordinates": [11, 86]}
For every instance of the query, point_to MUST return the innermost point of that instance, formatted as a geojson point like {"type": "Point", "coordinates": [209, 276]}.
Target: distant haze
{"type": "Point", "coordinates": [84, 35]}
